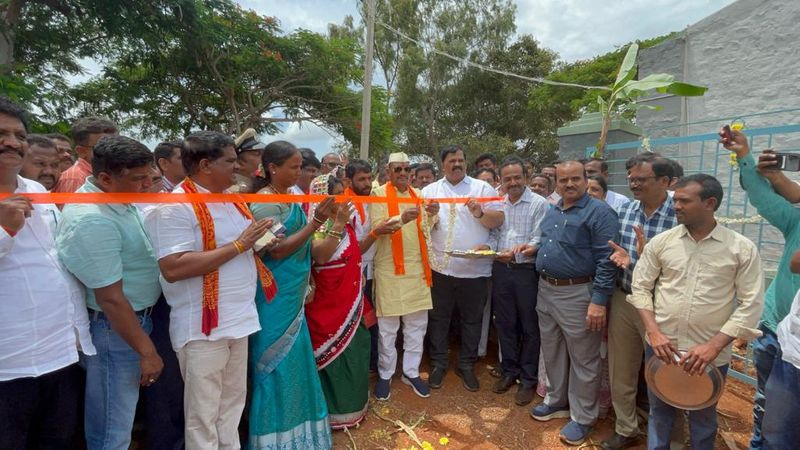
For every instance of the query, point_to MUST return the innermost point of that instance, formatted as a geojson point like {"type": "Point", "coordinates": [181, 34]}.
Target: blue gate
{"type": "Point", "coordinates": [702, 153]}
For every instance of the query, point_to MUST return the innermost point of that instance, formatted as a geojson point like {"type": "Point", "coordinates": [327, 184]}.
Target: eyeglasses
{"type": "Point", "coordinates": [332, 165]}
{"type": "Point", "coordinates": [640, 180]}
{"type": "Point", "coordinates": [402, 169]}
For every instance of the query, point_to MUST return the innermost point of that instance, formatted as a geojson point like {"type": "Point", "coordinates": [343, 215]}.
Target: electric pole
{"type": "Point", "coordinates": [366, 105]}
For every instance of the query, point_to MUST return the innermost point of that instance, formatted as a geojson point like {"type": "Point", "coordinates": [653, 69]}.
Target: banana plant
{"type": "Point", "coordinates": [626, 91]}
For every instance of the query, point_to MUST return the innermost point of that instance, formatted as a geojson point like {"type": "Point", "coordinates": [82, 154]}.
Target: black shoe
{"type": "Point", "coordinates": [469, 380]}
{"type": "Point", "coordinates": [503, 385]}
{"type": "Point", "coordinates": [524, 395]}
{"type": "Point", "coordinates": [496, 372]}
{"type": "Point", "coordinates": [436, 377]}
{"type": "Point", "coordinates": [618, 442]}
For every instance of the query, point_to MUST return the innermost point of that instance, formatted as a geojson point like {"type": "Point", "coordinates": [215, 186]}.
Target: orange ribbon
{"type": "Point", "coordinates": [397, 238]}
{"type": "Point", "coordinates": [133, 197]}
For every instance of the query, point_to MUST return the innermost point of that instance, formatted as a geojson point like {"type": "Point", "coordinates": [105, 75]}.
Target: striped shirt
{"type": "Point", "coordinates": [632, 215]}
{"type": "Point", "coordinates": [521, 224]}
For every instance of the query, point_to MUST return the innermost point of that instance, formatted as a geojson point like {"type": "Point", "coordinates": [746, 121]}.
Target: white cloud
{"type": "Point", "coordinates": [306, 135]}
{"type": "Point", "coordinates": [581, 29]}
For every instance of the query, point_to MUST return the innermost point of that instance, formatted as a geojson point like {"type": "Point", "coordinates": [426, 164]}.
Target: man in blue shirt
{"type": "Point", "coordinates": [577, 280]}
{"type": "Point", "coordinates": [105, 246]}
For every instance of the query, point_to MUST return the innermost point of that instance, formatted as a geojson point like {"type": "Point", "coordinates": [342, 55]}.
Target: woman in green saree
{"type": "Point", "coordinates": [287, 406]}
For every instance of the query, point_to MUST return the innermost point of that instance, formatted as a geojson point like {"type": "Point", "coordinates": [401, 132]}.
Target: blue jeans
{"type": "Point", "coordinates": [702, 423]}
{"type": "Point", "coordinates": [780, 428]}
{"type": "Point", "coordinates": [112, 386]}
{"type": "Point", "coordinates": [766, 350]}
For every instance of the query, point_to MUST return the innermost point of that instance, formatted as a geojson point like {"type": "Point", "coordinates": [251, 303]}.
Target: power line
{"type": "Point", "coordinates": [431, 48]}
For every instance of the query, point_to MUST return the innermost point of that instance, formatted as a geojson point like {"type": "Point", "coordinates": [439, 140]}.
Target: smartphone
{"type": "Point", "coordinates": [787, 161]}
{"type": "Point", "coordinates": [726, 135]}
{"type": "Point", "coordinates": [264, 241]}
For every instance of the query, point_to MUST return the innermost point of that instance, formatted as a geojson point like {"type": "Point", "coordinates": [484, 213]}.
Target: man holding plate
{"type": "Point", "coordinates": [459, 282]}
{"type": "Point", "coordinates": [697, 287]}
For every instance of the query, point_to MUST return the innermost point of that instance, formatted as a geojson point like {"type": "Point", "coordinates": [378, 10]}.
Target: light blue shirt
{"type": "Point", "coordinates": [102, 244]}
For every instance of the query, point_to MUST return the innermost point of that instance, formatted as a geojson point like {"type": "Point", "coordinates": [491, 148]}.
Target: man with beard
{"type": "Point", "coordinates": [515, 282]}
{"type": "Point", "coordinates": [86, 132]}
{"type": "Point", "coordinates": [42, 311]}
{"type": "Point", "coordinates": [402, 277]}
{"type": "Point", "coordinates": [576, 280]}
{"type": "Point", "coordinates": [359, 177]}
{"type": "Point", "coordinates": [41, 162]}
{"type": "Point", "coordinates": [458, 282]}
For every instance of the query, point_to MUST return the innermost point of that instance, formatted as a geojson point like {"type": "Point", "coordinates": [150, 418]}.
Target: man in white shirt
{"type": "Point", "coordinates": [599, 167]}
{"type": "Point", "coordinates": [208, 275]}
{"type": "Point", "coordinates": [457, 282]}
{"type": "Point", "coordinates": [43, 320]}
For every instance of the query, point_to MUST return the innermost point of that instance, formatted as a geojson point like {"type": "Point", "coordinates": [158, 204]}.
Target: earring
{"type": "Point", "coordinates": [273, 172]}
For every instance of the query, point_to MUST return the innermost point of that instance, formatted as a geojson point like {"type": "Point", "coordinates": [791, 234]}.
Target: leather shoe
{"type": "Point", "coordinates": [436, 378]}
{"type": "Point", "coordinates": [619, 442]}
{"type": "Point", "coordinates": [503, 385]}
{"type": "Point", "coordinates": [469, 380]}
{"type": "Point", "coordinates": [524, 395]}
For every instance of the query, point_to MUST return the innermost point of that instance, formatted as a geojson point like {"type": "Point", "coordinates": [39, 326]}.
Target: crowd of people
{"type": "Point", "coordinates": [269, 317]}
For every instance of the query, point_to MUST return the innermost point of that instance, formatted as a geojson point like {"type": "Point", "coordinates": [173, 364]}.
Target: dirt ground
{"type": "Point", "coordinates": [453, 418]}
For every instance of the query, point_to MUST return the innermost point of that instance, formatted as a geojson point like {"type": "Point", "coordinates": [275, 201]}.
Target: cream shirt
{"type": "Point", "coordinates": [701, 288]}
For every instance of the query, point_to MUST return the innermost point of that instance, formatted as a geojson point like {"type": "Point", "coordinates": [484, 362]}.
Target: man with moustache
{"type": "Point", "coordinates": [86, 132]}
{"type": "Point", "coordinates": [43, 320]}
{"type": "Point", "coordinates": [651, 213]}
{"type": "Point", "coordinates": [459, 282]}
{"type": "Point", "coordinates": [41, 162]}
{"type": "Point", "coordinates": [168, 162]}
{"type": "Point", "coordinates": [515, 282]}
{"type": "Point", "coordinates": [248, 153]}
{"type": "Point", "coordinates": [105, 246]}
{"type": "Point", "coordinates": [358, 174]}
{"type": "Point", "coordinates": [425, 174]}
{"type": "Point", "coordinates": [402, 277]}
{"type": "Point", "coordinates": [577, 280]}
{"type": "Point", "coordinates": [210, 321]}
{"type": "Point", "coordinates": [697, 287]}
{"type": "Point", "coordinates": [599, 167]}
{"type": "Point", "coordinates": [66, 155]}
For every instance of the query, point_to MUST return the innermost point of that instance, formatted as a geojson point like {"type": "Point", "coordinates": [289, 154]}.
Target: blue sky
{"type": "Point", "coordinates": [576, 29]}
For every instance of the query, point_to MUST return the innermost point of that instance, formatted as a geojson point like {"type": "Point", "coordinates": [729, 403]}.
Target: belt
{"type": "Point", "coordinates": [567, 281]}
{"type": "Point", "coordinates": [94, 315]}
{"type": "Point", "coordinates": [513, 265]}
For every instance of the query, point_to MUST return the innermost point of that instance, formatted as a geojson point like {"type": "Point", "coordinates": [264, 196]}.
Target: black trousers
{"type": "Point", "coordinates": [514, 291]}
{"type": "Point", "coordinates": [163, 401]}
{"type": "Point", "coordinates": [469, 296]}
{"type": "Point", "coordinates": [40, 412]}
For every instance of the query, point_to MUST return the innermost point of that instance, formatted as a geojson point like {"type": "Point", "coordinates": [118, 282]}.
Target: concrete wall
{"type": "Point", "coordinates": [747, 54]}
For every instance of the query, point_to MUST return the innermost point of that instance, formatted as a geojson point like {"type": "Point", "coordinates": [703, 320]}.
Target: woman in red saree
{"type": "Point", "coordinates": [340, 340]}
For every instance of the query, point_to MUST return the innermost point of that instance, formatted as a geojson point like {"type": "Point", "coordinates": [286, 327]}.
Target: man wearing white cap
{"type": "Point", "coordinates": [248, 160]}
{"type": "Point", "coordinates": [402, 276]}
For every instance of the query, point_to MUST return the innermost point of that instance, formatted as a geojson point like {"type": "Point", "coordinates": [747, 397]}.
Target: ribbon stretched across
{"type": "Point", "coordinates": [118, 197]}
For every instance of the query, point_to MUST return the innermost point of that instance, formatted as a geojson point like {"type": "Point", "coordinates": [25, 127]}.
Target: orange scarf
{"type": "Point", "coordinates": [397, 238]}
{"type": "Point", "coordinates": [211, 280]}
{"type": "Point", "coordinates": [359, 206]}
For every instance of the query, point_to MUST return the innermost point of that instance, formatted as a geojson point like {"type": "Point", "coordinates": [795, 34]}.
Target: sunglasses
{"type": "Point", "coordinates": [402, 169]}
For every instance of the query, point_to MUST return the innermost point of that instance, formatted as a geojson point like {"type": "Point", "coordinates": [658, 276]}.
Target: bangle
{"type": "Point", "coordinates": [238, 245]}
{"type": "Point", "coordinates": [337, 234]}
{"type": "Point", "coordinates": [321, 222]}
{"type": "Point", "coordinates": [10, 232]}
